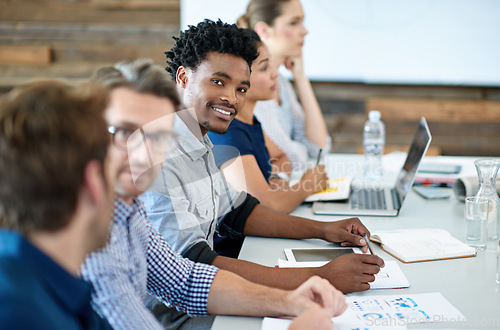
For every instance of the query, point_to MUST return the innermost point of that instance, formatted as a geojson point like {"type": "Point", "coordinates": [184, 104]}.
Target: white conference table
{"type": "Point", "coordinates": [467, 283]}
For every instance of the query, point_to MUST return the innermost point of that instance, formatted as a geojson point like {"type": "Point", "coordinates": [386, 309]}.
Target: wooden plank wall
{"type": "Point", "coordinates": [456, 111]}
{"type": "Point", "coordinates": [25, 54]}
{"type": "Point", "coordinates": [463, 120]}
{"type": "Point", "coordinates": [71, 39]}
{"type": "Point", "coordinates": [459, 127]}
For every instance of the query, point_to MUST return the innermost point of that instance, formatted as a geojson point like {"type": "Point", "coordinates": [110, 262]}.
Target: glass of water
{"type": "Point", "coordinates": [498, 261]}
{"type": "Point", "coordinates": [476, 218]}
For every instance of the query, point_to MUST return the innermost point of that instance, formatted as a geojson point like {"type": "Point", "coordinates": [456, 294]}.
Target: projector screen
{"type": "Point", "coordinates": [426, 42]}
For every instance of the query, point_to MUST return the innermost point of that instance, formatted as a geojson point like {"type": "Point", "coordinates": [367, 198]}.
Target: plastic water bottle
{"type": "Point", "coordinates": [373, 141]}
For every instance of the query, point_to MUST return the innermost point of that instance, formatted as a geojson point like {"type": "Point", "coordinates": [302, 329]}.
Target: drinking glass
{"type": "Point", "coordinates": [476, 220]}
{"type": "Point", "coordinates": [498, 261]}
{"type": "Point", "coordinates": [487, 170]}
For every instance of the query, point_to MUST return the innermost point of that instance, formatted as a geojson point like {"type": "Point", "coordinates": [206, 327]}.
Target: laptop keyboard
{"type": "Point", "coordinates": [368, 199]}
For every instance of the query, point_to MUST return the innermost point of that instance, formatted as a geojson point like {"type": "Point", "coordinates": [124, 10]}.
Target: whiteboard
{"type": "Point", "coordinates": [430, 42]}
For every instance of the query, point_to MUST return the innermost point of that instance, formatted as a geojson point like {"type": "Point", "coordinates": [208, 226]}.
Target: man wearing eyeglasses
{"type": "Point", "coordinates": [137, 260]}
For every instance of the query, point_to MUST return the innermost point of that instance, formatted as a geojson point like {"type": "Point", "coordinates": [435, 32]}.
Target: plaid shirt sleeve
{"type": "Point", "coordinates": [175, 280]}
{"type": "Point", "coordinates": [120, 278]}
{"type": "Point", "coordinates": [115, 296]}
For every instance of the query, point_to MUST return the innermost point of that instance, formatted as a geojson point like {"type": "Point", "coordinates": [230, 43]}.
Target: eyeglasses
{"type": "Point", "coordinates": [130, 139]}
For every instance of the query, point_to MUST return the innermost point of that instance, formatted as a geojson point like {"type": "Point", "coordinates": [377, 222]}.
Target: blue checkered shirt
{"type": "Point", "coordinates": [137, 261]}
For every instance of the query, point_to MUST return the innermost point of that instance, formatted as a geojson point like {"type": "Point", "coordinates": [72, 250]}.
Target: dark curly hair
{"type": "Point", "coordinates": [193, 45]}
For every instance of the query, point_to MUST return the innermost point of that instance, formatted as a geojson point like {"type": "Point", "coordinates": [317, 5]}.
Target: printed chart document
{"type": "Point", "coordinates": [340, 323]}
{"type": "Point", "coordinates": [389, 277]}
{"type": "Point", "coordinates": [338, 189]}
{"type": "Point", "coordinates": [387, 312]}
{"type": "Point", "coordinates": [413, 245]}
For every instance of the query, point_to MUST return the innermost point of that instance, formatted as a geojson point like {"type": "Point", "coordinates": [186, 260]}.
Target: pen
{"type": "Point", "coordinates": [319, 156]}
{"type": "Point", "coordinates": [368, 244]}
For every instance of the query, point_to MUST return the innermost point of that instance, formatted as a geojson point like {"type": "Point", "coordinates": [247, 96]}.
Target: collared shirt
{"type": "Point", "coordinates": [284, 124]}
{"type": "Point", "coordinates": [138, 261]}
{"type": "Point", "coordinates": [37, 293]}
{"type": "Point", "coordinates": [190, 195]}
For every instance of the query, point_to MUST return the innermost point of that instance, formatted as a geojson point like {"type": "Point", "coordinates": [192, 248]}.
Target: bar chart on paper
{"type": "Point", "coordinates": [415, 308]}
{"type": "Point", "coordinates": [387, 312]}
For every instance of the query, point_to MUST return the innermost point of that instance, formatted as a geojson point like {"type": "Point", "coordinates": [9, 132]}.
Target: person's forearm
{"type": "Point", "coordinates": [315, 126]}
{"type": "Point", "coordinates": [230, 294]}
{"type": "Point", "coordinates": [281, 164]}
{"type": "Point", "coordinates": [283, 278]}
{"type": "Point", "coordinates": [267, 223]}
{"type": "Point", "coordinates": [281, 198]}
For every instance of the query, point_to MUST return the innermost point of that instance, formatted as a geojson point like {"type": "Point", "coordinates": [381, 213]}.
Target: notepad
{"type": "Point", "coordinates": [338, 189]}
{"type": "Point", "coordinates": [425, 244]}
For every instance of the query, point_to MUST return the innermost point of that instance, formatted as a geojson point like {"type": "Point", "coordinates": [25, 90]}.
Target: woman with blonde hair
{"type": "Point", "coordinates": [299, 129]}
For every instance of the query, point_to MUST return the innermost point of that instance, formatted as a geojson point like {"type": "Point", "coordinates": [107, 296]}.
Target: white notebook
{"type": "Point", "coordinates": [423, 244]}
{"type": "Point", "coordinates": [338, 189]}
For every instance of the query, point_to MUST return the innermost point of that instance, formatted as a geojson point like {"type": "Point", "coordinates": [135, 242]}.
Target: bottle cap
{"type": "Point", "coordinates": [374, 115]}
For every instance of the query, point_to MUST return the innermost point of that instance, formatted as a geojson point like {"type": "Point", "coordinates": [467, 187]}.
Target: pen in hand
{"type": "Point", "coordinates": [319, 156]}
{"type": "Point", "coordinates": [368, 244]}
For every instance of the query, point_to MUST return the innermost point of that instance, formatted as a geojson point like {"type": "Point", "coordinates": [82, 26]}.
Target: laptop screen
{"type": "Point", "coordinates": [418, 147]}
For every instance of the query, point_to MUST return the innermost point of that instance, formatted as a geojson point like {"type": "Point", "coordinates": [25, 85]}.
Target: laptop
{"type": "Point", "coordinates": [383, 201]}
